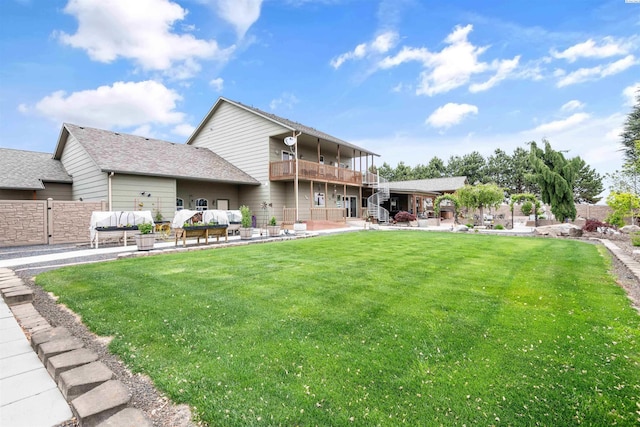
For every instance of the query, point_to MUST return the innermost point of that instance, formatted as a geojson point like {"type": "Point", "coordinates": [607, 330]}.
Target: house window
{"type": "Point", "coordinates": [287, 155]}
{"type": "Point", "coordinates": [202, 204]}
{"type": "Point", "coordinates": [179, 204]}
{"type": "Point", "coordinates": [321, 161]}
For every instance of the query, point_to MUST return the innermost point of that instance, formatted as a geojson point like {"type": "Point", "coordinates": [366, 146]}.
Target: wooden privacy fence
{"type": "Point", "coordinates": [42, 222]}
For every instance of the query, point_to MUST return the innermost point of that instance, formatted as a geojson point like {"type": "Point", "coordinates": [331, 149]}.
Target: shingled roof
{"type": "Point", "coordinates": [286, 123]}
{"type": "Point", "coordinates": [433, 185]}
{"type": "Point", "coordinates": [28, 170]}
{"type": "Point", "coordinates": [137, 155]}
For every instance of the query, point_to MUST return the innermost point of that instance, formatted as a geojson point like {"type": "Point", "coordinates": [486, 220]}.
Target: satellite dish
{"type": "Point", "coordinates": [289, 141]}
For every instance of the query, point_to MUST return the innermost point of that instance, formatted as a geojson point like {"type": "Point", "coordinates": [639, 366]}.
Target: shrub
{"type": "Point", "coordinates": [593, 225]}
{"type": "Point", "coordinates": [499, 227]}
{"type": "Point", "coordinates": [615, 219]}
{"type": "Point", "coordinates": [635, 238]}
{"type": "Point", "coordinates": [469, 225]}
{"type": "Point", "coordinates": [527, 208]}
{"type": "Point", "coordinates": [404, 216]}
{"type": "Point", "coordinates": [273, 221]}
{"type": "Point", "coordinates": [145, 228]}
{"type": "Point", "coordinates": [246, 216]}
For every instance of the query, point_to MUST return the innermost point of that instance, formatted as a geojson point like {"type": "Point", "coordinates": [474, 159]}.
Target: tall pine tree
{"type": "Point", "coordinates": [631, 138]}
{"type": "Point", "coordinates": [556, 177]}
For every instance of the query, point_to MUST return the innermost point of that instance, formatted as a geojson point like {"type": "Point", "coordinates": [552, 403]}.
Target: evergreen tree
{"type": "Point", "coordinates": [556, 177]}
{"type": "Point", "coordinates": [386, 172]}
{"type": "Point", "coordinates": [473, 166]}
{"type": "Point", "coordinates": [402, 172]}
{"type": "Point", "coordinates": [436, 168]}
{"type": "Point", "coordinates": [588, 184]}
{"type": "Point", "coordinates": [631, 137]}
{"type": "Point", "coordinates": [499, 168]}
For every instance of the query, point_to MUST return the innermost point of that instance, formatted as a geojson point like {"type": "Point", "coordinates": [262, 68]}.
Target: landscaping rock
{"type": "Point", "coordinates": [559, 230]}
{"type": "Point", "coordinates": [101, 403]}
{"type": "Point", "coordinates": [129, 417]}
{"type": "Point", "coordinates": [69, 360]}
{"type": "Point", "coordinates": [628, 229]}
{"type": "Point", "coordinates": [460, 229]}
{"type": "Point", "coordinates": [77, 381]}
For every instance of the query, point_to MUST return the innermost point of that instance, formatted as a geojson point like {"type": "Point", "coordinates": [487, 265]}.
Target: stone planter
{"type": "Point", "coordinates": [300, 227]}
{"type": "Point", "coordinates": [273, 230]}
{"type": "Point", "coordinates": [145, 242]}
{"type": "Point", "coordinates": [246, 233]}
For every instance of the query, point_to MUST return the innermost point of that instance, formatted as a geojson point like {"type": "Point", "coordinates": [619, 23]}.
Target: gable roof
{"type": "Point", "coordinates": [137, 155]}
{"type": "Point", "coordinates": [28, 170]}
{"type": "Point", "coordinates": [432, 185]}
{"type": "Point", "coordinates": [286, 123]}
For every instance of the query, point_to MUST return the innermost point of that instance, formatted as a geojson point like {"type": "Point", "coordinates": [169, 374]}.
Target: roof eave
{"type": "Point", "coordinates": [126, 172]}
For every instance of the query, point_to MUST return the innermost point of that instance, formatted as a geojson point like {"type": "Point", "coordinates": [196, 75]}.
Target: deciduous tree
{"type": "Point", "coordinates": [480, 196]}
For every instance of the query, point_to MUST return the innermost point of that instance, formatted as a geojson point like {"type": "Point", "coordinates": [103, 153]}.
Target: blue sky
{"type": "Point", "coordinates": [407, 79]}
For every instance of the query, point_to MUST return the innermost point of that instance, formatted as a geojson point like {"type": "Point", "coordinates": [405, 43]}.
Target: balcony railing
{"type": "Point", "coordinates": [314, 214]}
{"type": "Point", "coordinates": [309, 171]}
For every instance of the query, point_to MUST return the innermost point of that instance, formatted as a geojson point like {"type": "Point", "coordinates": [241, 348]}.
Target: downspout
{"type": "Point", "coordinates": [109, 191]}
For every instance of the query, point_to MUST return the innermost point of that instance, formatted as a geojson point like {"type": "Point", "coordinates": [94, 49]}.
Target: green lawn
{"type": "Point", "coordinates": [374, 328]}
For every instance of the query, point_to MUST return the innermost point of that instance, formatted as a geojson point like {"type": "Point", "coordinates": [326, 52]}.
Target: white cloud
{"type": "Point", "coordinates": [453, 66]}
{"type": "Point", "coordinates": [597, 72]}
{"type": "Point", "coordinates": [23, 108]}
{"type": "Point", "coordinates": [217, 84]}
{"type": "Point", "coordinates": [595, 140]}
{"type": "Point", "coordinates": [122, 105]}
{"type": "Point", "coordinates": [450, 114]}
{"type": "Point", "coordinates": [380, 45]}
{"type": "Point", "coordinates": [109, 30]}
{"type": "Point", "coordinates": [184, 130]}
{"type": "Point", "coordinates": [590, 49]}
{"type": "Point", "coordinates": [504, 69]}
{"type": "Point", "coordinates": [242, 14]}
{"type": "Point", "coordinates": [405, 55]}
{"type": "Point", "coordinates": [572, 105]}
{"type": "Point", "coordinates": [561, 125]}
{"type": "Point", "coordinates": [287, 100]}
{"type": "Point", "coordinates": [631, 94]}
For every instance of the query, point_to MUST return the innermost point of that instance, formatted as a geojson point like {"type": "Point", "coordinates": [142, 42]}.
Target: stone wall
{"type": "Point", "coordinates": [599, 212]}
{"type": "Point", "coordinates": [69, 221]}
{"type": "Point", "coordinates": [23, 222]}
{"type": "Point", "coordinates": [41, 222]}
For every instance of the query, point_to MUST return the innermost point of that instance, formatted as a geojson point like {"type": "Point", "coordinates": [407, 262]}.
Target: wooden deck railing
{"type": "Point", "coordinates": [314, 214]}
{"type": "Point", "coordinates": [310, 171]}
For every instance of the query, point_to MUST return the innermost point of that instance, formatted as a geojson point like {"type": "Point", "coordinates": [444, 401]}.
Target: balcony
{"type": "Point", "coordinates": [309, 171]}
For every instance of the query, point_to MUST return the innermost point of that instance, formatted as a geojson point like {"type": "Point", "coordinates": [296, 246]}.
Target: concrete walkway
{"type": "Point", "coordinates": [29, 397]}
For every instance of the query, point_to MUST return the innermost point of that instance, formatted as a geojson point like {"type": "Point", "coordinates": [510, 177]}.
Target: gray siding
{"type": "Point", "coordinates": [126, 194]}
{"type": "Point", "coordinates": [242, 138]}
{"type": "Point", "coordinates": [55, 191]}
{"type": "Point", "coordinates": [17, 195]}
{"type": "Point", "coordinates": [189, 191]}
{"type": "Point", "coordinates": [89, 183]}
